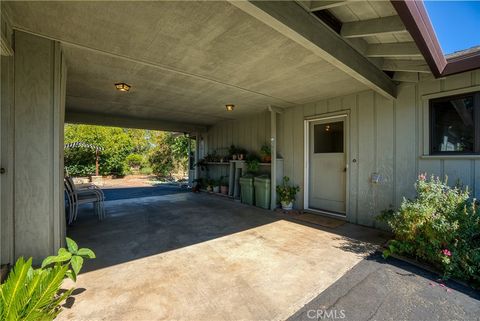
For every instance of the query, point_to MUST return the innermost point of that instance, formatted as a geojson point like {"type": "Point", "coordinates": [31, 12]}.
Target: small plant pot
{"type": "Point", "coordinates": [234, 157]}
{"type": "Point", "coordinates": [224, 189]}
{"type": "Point", "coordinates": [240, 156]}
{"type": "Point", "coordinates": [287, 206]}
{"type": "Point", "coordinates": [267, 159]}
{"type": "Point", "coordinates": [216, 189]}
{"type": "Point", "coordinates": [209, 188]}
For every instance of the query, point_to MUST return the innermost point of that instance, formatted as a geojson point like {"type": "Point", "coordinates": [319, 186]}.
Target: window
{"type": "Point", "coordinates": [328, 138]}
{"type": "Point", "coordinates": [455, 124]}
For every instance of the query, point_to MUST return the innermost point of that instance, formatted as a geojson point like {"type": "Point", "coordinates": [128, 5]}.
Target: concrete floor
{"type": "Point", "coordinates": [203, 257]}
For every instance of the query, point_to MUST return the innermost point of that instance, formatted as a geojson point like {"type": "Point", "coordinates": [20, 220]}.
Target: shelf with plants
{"type": "Point", "coordinates": [217, 163]}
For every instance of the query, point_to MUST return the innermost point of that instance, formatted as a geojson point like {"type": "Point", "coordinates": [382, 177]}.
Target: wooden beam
{"type": "Point", "coordinates": [5, 48]}
{"type": "Point", "coordinates": [372, 27]}
{"type": "Point", "coordinates": [275, 109]}
{"type": "Point", "coordinates": [318, 5]}
{"type": "Point", "coordinates": [291, 20]}
{"type": "Point", "coordinates": [395, 50]}
{"type": "Point", "coordinates": [405, 65]}
{"type": "Point", "coordinates": [404, 76]}
{"type": "Point", "coordinates": [131, 122]}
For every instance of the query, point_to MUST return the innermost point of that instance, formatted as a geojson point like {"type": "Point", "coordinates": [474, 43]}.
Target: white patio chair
{"type": "Point", "coordinates": [90, 194]}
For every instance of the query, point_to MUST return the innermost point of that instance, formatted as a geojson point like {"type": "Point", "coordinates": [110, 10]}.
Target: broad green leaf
{"type": "Point", "coordinates": [49, 260]}
{"type": "Point", "coordinates": [77, 263]}
{"type": "Point", "coordinates": [72, 246]}
{"type": "Point", "coordinates": [86, 253]}
{"type": "Point", "coordinates": [63, 255]}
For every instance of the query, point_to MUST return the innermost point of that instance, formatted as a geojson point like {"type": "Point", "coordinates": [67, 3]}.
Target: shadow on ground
{"type": "Point", "coordinates": [115, 194]}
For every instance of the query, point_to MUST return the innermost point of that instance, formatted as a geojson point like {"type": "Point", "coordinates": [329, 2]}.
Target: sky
{"type": "Point", "coordinates": [456, 23]}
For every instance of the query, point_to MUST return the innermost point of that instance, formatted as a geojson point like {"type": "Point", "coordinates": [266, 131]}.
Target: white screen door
{"type": "Point", "coordinates": [327, 165]}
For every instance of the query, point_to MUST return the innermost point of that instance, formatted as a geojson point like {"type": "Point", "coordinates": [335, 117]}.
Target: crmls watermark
{"type": "Point", "coordinates": [326, 314]}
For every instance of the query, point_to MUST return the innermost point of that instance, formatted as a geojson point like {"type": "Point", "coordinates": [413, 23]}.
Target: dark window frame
{"type": "Point", "coordinates": [476, 119]}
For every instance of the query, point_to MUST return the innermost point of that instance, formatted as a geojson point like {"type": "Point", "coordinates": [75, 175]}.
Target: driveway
{"type": "Point", "coordinates": [392, 290]}
{"type": "Point", "coordinates": [185, 256]}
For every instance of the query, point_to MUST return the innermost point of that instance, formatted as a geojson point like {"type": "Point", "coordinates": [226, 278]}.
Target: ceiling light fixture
{"type": "Point", "coordinates": [230, 107]}
{"type": "Point", "coordinates": [121, 86]}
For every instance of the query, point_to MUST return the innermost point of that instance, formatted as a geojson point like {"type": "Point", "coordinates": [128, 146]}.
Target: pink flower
{"type": "Point", "coordinates": [422, 177]}
{"type": "Point", "coordinates": [446, 252]}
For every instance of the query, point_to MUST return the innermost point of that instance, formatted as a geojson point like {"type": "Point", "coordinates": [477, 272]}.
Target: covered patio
{"type": "Point", "coordinates": [200, 257]}
{"type": "Point", "coordinates": [308, 79]}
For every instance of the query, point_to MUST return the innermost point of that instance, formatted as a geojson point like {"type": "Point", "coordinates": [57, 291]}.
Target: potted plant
{"type": "Point", "coordinates": [197, 184]}
{"type": "Point", "coordinates": [232, 151]}
{"type": "Point", "coordinates": [210, 183]}
{"type": "Point", "coordinates": [253, 163]}
{"type": "Point", "coordinates": [216, 186]}
{"type": "Point", "coordinates": [286, 193]}
{"type": "Point", "coordinates": [241, 153]}
{"type": "Point", "coordinates": [266, 153]}
{"type": "Point", "coordinates": [224, 185]}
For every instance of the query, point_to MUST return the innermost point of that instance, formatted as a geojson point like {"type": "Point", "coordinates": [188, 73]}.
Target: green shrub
{"type": "Point", "coordinates": [79, 170]}
{"type": "Point", "coordinates": [134, 160]}
{"type": "Point", "coordinates": [146, 171]}
{"type": "Point", "coordinates": [31, 294]}
{"type": "Point", "coordinates": [441, 226]}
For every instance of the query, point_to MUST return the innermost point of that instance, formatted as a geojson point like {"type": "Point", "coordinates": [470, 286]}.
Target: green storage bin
{"type": "Point", "coordinates": [262, 191]}
{"type": "Point", "coordinates": [246, 189]}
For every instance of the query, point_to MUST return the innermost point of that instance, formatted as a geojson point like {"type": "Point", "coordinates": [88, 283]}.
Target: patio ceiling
{"type": "Point", "coordinates": [184, 60]}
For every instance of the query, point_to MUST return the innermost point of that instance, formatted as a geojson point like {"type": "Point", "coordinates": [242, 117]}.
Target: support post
{"type": "Point", "coordinates": [196, 154]}
{"type": "Point", "coordinates": [96, 162]}
{"type": "Point", "coordinates": [273, 147]}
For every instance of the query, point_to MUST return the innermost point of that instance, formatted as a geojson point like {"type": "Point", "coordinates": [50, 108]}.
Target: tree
{"type": "Point", "coordinates": [115, 142]}
{"type": "Point", "coordinates": [161, 157]}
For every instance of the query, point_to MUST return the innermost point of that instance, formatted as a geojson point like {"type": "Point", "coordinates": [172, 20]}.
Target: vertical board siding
{"type": "Point", "coordinates": [405, 143]}
{"type": "Point", "coordinates": [386, 137]}
{"type": "Point", "coordinates": [366, 158]}
{"type": "Point", "coordinates": [249, 133]}
{"type": "Point", "coordinates": [385, 153]}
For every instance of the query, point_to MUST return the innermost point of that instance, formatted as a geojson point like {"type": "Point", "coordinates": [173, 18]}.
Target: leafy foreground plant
{"type": "Point", "coordinates": [31, 294]}
{"type": "Point", "coordinates": [441, 227]}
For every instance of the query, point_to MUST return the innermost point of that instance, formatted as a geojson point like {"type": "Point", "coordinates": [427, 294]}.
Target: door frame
{"type": "Point", "coordinates": [345, 116]}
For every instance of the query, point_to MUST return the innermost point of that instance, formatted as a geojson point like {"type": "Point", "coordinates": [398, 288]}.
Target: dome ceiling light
{"type": "Point", "coordinates": [121, 86]}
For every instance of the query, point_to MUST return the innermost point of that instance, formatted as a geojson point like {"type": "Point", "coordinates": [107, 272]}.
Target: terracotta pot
{"type": "Point", "coordinates": [224, 189]}
{"type": "Point", "coordinates": [267, 159]}
{"type": "Point", "coordinates": [240, 156]}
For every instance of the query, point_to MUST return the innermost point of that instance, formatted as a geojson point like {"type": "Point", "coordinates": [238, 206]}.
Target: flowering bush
{"type": "Point", "coordinates": [441, 227]}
